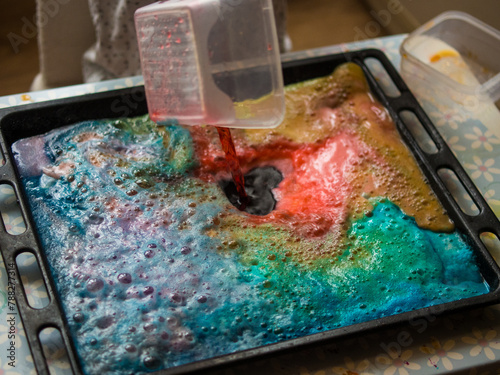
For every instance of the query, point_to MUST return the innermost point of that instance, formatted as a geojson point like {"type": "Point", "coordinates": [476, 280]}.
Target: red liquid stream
{"type": "Point", "coordinates": [234, 165]}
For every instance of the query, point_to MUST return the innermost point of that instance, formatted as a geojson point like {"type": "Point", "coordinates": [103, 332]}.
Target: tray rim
{"type": "Point", "coordinates": [486, 220]}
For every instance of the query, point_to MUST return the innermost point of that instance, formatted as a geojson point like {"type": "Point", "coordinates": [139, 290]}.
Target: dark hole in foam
{"type": "Point", "coordinates": [259, 183]}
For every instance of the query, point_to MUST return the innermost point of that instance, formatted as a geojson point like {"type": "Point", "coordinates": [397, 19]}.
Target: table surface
{"type": "Point", "coordinates": [464, 343]}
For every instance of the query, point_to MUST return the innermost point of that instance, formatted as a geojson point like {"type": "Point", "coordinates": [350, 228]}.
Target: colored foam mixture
{"type": "Point", "coordinates": [155, 268]}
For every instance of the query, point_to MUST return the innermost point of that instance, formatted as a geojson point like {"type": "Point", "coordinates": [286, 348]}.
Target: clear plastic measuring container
{"type": "Point", "coordinates": [213, 62]}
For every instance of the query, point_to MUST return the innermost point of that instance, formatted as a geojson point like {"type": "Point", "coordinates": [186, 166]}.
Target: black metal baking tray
{"type": "Point", "coordinates": [38, 118]}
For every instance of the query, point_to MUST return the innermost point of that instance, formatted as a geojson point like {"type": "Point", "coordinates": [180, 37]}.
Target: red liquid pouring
{"type": "Point", "coordinates": [234, 165]}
